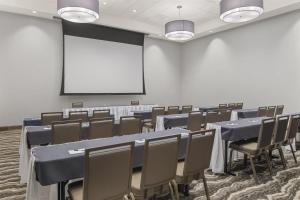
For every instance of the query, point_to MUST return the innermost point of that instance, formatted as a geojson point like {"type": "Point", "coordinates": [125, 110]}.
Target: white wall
{"type": "Point", "coordinates": [30, 71]}
{"type": "Point", "coordinates": [258, 64]}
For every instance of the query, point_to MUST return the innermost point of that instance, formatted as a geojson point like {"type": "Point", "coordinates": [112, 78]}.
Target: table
{"type": "Point", "coordinates": [54, 164]}
{"type": "Point", "coordinates": [244, 113]}
{"type": "Point", "coordinates": [143, 114]}
{"type": "Point", "coordinates": [208, 108]}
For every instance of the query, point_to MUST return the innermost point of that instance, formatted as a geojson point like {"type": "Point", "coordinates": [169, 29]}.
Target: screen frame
{"type": "Point", "coordinates": [71, 30]}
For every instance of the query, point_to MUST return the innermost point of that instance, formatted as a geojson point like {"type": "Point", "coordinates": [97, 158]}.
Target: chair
{"type": "Point", "coordinates": [197, 159]}
{"type": "Point", "coordinates": [195, 121]}
{"type": "Point", "coordinates": [159, 169]}
{"type": "Point", "coordinates": [271, 111]}
{"type": "Point", "coordinates": [232, 106]}
{"type": "Point", "coordinates": [291, 133]}
{"type": "Point", "coordinates": [279, 136]}
{"type": "Point", "coordinates": [173, 110]}
{"type": "Point", "coordinates": [48, 118]}
{"type": "Point", "coordinates": [77, 105]}
{"type": "Point", "coordinates": [101, 113]}
{"type": "Point", "coordinates": [107, 174]}
{"type": "Point", "coordinates": [130, 125]}
{"type": "Point", "coordinates": [101, 128]}
{"type": "Point", "coordinates": [223, 106]}
{"type": "Point", "coordinates": [255, 149]}
{"type": "Point", "coordinates": [262, 111]}
{"type": "Point", "coordinates": [186, 109]}
{"type": "Point", "coordinates": [225, 115]}
{"type": "Point", "coordinates": [156, 111]}
{"type": "Point", "coordinates": [239, 105]}
{"type": "Point", "coordinates": [135, 103]}
{"type": "Point", "coordinates": [212, 117]}
{"type": "Point", "coordinates": [67, 131]}
{"type": "Point", "coordinates": [79, 115]}
{"type": "Point", "coordinates": [279, 110]}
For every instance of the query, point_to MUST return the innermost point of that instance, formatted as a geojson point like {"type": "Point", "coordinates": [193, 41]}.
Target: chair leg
{"type": "Point", "coordinates": [293, 153]}
{"type": "Point", "coordinates": [268, 162]}
{"type": "Point", "coordinates": [172, 191]}
{"type": "Point", "coordinates": [230, 160]}
{"type": "Point", "coordinates": [245, 159]}
{"type": "Point", "coordinates": [282, 157]}
{"type": "Point", "coordinates": [205, 188]}
{"type": "Point", "coordinates": [175, 186]}
{"type": "Point", "coordinates": [253, 169]}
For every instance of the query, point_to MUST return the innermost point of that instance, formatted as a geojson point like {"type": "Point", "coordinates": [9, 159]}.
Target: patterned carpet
{"type": "Point", "coordinates": [284, 185]}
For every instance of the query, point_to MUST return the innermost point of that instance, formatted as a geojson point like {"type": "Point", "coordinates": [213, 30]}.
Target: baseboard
{"type": "Point", "coordinates": [8, 128]}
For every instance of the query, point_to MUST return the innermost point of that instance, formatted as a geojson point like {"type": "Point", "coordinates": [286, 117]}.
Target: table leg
{"type": "Point", "coordinates": [226, 161]}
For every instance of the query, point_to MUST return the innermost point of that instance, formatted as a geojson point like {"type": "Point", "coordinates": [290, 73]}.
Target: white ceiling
{"type": "Point", "coordinates": [151, 15]}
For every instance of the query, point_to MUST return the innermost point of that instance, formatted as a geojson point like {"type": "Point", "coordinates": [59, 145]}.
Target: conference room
{"type": "Point", "coordinates": [156, 99]}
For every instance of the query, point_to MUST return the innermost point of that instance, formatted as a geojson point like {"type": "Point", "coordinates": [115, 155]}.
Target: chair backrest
{"type": "Point", "coordinates": [266, 133]}
{"type": "Point", "coordinates": [79, 115]}
{"type": "Point", "coordinates": [223, 106]}
{"type": "Point", "coordinates": [64, 132]}
{"type": "Point", "coordinates": [157, 111]}
{"type": "Point", "coordinates": [225, 115]}
{"type": "Point", "coordinates": [212, 117]}
{"type": "Point", "coordinates": [101, 128]}
{"type": "Point", "coordinates": [262, 111]}
{"type": "Point", "coordinates": [239, 105]}
{"type": "Point", "coordinates": [198, 152]}
{"type": "Point", "coordinates": [130, 125]}
{"type": "Point", "coordinates": [101, 113]}
{"type": "Point", "coordinates": [173, 110]}
{"type": "Point", "coordinates": [195, 121]}
{"type": "Point", "coordinates": [135, 103]}
{"type": "Point", "coordinates": [160, 161]}
{"type": "Point", "coordinates": [280, 129]}
{"type": "Point", "coordinates": [279, 110]}
{"type": "Point", "coordinates": [48, 118]}
{"type": "Point", "coordinates": [77, 105]}
{"type": "Point", "coordinates": [293, 126]}
{"type": "Point", "coordinates": [232, 105]}
{"type": "Point", "coordinates": [187, 109]}
{"type": "Point", "coordinates": [271, 111]}
{"type": "Point", "coordinates": [108, 172]}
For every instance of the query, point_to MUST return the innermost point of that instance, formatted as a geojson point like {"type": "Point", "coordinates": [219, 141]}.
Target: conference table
{"type": "Point", "coordinates": [244, 113]}
{"type": "Point", "coordinates": [56, 164]}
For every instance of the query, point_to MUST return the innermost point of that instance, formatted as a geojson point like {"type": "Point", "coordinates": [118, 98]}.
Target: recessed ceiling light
{"type": "Point", "coordinates": [34, 11]}
{"type": "Point", "coordinates": [104, 3]}
{"type": "Point", "coordinates": [134, 10]}
{"type": "Point", "coordinates": [211, 31]}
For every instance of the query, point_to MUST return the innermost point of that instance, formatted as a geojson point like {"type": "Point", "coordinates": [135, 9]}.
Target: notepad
{"type": "Point", "coordinates": [140, 141]}
{"type": "Point", "coordinates": [231, 124]}
{"type": "Point", "coordinates": [76, 151]}
{"type": "Point", "coordinates": [184, 134]}
{"type": "Point", "coordinates": [47, 128]}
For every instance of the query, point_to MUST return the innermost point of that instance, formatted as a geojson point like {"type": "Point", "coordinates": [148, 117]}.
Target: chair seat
{"type": "Point", "coordinates": [245, 146]}
{"type": "Point", "coordinates": [147, 120]}
{"type": "Point", "coordinates": [148, 125]}
{"type": "Point", "coordinates": [76, 190]}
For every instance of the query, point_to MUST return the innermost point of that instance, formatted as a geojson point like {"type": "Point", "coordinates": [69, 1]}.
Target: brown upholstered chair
{"type": "Point", "coordinates": [48, 118]}
{"type": "Point", "coordinates": [135, 103]}
{"type": "Point", "coordinates": [196, 120]}
{"type": "Point", "coordinates": [77, 105]}
{"type": "Point", "coordinates": [156, 111]}
{"type": "Point", "coordinates": [187, 109]}
{"type": "Point", "coordinates": [223, 106]}
{"type": "Point", "coordinates": [66, 131]}
{"type": "Point", "coordinates": [130, 125]}
{"type": "Point", "coordinates": [101, 128]}
{"type": "Point", "coordinates": [197, 159]}
{"type": "Point", "coordinates": [173, 110]}
{"type": "Point", "coordinates": [279, 110]}
{"type": "Point", "coordinates": [107, 174]}
{"type": "Point", "coordinates": [232, 106]}
{"type": "Point", "coordinates": [291, 133]}
{"type": "Point", "coordinates": [212, 117]}
{"type": "Point", "coordinates": [101, 113]}
{"type": "Point", "coordinates": [239, 105]}
{"type": "Point", "coordinates": [225, 115]}
{"type": "Point", "coordinates": [159, 169]}
{"type": "Point", "coordinates": [79, 115]}
{"type": "Point", "coordinates": [262, 111]}
{"type": "Point", "coordinates": [279, 136]}
{"type": "Point", "coordinates": [254, 149]}
{"type": "Point", "coordinates": [271, 111]}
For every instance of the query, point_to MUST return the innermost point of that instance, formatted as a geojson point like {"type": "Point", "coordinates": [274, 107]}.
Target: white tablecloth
{"type": "Point", "coordinates": [117, 111]}
{"type": "Point", "coordinates": [24, 153]}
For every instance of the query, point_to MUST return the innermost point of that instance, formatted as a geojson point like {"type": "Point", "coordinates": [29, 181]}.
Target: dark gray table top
{"type": "Point", "coordinates": [54, 163]}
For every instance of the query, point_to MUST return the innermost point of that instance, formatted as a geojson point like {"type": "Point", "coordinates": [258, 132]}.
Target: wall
{"type": "Point", "coordinates": [30, 71]}
{"type": "Point", "coordinates": [258, 64]}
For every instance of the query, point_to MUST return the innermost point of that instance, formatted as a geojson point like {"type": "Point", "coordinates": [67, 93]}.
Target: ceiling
{"type": "Point", "coordinates": [151, 15]}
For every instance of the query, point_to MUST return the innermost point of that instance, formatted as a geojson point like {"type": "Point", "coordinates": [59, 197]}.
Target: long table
{"type": "Point", "coordinates": [244, 113]}
{"type": "Point", "coordinates": [55, 164]}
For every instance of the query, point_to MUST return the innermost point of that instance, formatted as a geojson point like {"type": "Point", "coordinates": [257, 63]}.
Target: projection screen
{"type": "Point", "coordinates": [100, 60]}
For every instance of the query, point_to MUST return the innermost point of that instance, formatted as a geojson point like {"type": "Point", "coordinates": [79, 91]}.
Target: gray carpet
{"type": "Point", "coordinates": [284, 185]}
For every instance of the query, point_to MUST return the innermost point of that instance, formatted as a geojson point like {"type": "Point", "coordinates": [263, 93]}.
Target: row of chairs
{"type": "Point", "coordinates": [232, 106]}
{"type": "Point", "coordinates": [108, 170]}
{"type": "Point", "coordinates": [80, 104]}
{"type": "Point", "coordinates": [270, 111]}
{"type": "Point", "coordinates": [274, 133]}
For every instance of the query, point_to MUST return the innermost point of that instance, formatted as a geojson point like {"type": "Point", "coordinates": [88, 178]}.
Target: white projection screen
{"type": "Point", "coordinates": [99, 66]}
